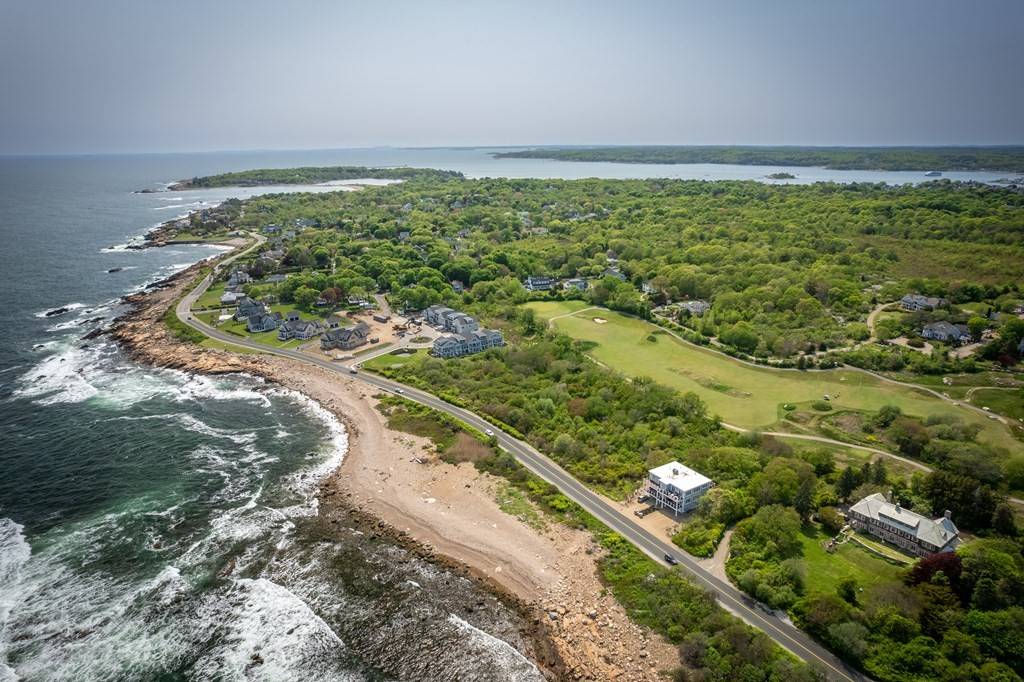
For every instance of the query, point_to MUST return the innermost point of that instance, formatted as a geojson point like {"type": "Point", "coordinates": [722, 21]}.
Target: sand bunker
{"type": "Point", "coordinates": [600, 320]}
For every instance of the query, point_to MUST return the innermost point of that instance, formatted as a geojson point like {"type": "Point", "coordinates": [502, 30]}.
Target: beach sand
{"type": "Point", "coordinates": [450, 511]}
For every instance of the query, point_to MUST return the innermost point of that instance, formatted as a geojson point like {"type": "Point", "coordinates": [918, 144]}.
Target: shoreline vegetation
{"type": "Point", "coordinates": [1009, 159]}
{"type": "Point", "coordinates": [310, 175]}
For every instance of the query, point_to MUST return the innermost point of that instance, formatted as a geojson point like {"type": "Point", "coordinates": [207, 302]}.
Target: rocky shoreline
{"type": "Point", "coordinates": [146, 340]}
{"type": "Point", "coordinates": [575, 627]}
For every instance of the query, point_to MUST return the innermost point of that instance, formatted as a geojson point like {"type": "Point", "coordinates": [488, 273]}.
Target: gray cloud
{"type": "Point", "coordinates": [147, 76]}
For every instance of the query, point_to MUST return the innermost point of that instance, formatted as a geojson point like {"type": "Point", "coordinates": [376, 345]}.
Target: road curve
{"type": "Point", "coordinates": [786, 635]}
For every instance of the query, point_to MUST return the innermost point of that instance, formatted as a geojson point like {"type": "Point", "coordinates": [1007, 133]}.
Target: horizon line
{"type": "Point", "coordinates": [257, 150]}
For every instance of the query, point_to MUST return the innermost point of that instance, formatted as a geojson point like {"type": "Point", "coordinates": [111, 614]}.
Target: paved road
{"type": "Point", "coordinates": [728, 596]}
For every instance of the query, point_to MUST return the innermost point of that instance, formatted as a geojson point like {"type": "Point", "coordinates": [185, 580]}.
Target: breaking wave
{"type": "Point", "coordinates": [59, 310]}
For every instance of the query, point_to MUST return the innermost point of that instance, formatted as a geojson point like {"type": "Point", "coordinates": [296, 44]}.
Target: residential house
{"type": "Point", "coordinates": [648, 288]}
{"type": "Point", "coordinates": [577, 283]}
{"type": "Point", "coordinates": [345, 338]}
{"type": "Point", "coordinates": [461, 323]}
{"type": "Point", "coordinates": [294, 327]}
{"type": "Point", "coordinates": [403, 235]}
{"type": "Point", "coordinates": [238, 278]}
{"type": "Point", "coordinates": [458, 286]}
{"type": "Point", "coordinates": [231, 298]}
{"type": "Point", "coordinates": [247, 307]}
{"type": "Point", "coordinates": [335, 320]}
{"type": "Point", "coordinates": [466, 344]}
{"type": "Point", "coordinates": [908, 530]}
{"type": "Point", "coordinates": [676, 488]}
{"type": "Point", "coordinates": [945, 331]}
{"type": "Point", "coordinates": [614, 272]}
{"type": "Point", "coordinates": [437, 315]}
{"type": "Point", "coordinates": [696, 307]}
{"type": "Point", "coordinates": [535, 283]}
{"type": "Point", "coordinates": [276, 279]}
{"type": "Point", "coordinates": [263, 322]}
{"type": "Point", "coordinates": [916, 302]}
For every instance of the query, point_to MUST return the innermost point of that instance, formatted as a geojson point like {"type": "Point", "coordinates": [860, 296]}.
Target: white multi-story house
{"type": "Point", "coordinates": [676, 488]}
{"type": "Point", "coordinates": [908, 530]}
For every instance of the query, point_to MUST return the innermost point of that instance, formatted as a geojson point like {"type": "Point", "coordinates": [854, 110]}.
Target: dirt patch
{"type": "Point", "coordinates": [600, 320]}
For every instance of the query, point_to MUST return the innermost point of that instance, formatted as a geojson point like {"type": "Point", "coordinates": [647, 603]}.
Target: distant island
{"type": "Point", "coordinates": [781, 176]}
{"type": "Point", "coordinates": [1010, 159]}
{"type": "Point", "coordinates": [311, 175]}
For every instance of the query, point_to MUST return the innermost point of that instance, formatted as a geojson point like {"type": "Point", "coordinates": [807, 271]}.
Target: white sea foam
{"type": "Point", "coordinates": [513, 665]}
{"type": "Point", "coordinates": [58, 378]}
{"type": "Point", "coordinates": [269, 634]}
{"type": "Point", "coordinates": [52, 312]}
{"type": "Point", "coordinates": [14, 554]}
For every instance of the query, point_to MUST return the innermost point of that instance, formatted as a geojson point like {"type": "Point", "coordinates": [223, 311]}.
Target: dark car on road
{"type": "Point", "coordinates": [671, 560]}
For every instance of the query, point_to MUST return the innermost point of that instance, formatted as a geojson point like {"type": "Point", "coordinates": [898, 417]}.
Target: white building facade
{"type": "Point", "coordinates": [676, 488]}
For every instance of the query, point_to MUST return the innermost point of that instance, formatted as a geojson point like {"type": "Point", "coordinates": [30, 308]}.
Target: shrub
{"type": "Point", "coordinates": [699, 537]}
{"type": "Point", "coordinates": [821, 405]}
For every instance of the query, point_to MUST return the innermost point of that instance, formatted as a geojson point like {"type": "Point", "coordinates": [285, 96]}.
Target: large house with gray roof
{"type": "Point", "coordinates": [455, 345]}
{"type": "Point", "coordinates": [466, 336]}
{"type": "Point", "coordinates": [915, 302]}
{"type": "Point", "coordinates": [295, 327]}
{"type": "Point", "coordinates": [263, 322]}
{"type": "Point", "coordinates": [345, 338]}
{"type": "Point", "coordinates": [946, 331]}
{"type": "Point", "coordinates": [908, 530]}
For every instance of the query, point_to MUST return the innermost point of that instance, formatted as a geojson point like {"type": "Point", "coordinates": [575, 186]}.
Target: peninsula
{"type": "Point", "coordinates": [1004, 158]}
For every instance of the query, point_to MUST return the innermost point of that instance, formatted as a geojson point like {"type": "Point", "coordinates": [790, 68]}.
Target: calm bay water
{"type": "Point", "coordinates": [160, 526]}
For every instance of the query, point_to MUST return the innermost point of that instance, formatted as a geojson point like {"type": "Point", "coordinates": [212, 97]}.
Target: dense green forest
{"type": "Point", "coordinates": [1009, 159]}
{"type": "Point", "coordinates": [786, 269]}
{"type": "Point", "coordinates": [309, 176]}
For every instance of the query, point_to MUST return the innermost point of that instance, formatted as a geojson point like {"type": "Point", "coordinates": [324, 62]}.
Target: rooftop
{"type": "Point", "coordinates": [680, 476]}
{"type": "Point", "coordinates": [938, 532]}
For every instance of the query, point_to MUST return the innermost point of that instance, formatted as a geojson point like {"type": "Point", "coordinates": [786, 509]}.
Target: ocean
{"type": "Point", "coordinates": [160, 526]}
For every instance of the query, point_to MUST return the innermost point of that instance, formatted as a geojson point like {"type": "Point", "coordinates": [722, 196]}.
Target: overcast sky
{"type": "Point", "coordinates": [143, 75]}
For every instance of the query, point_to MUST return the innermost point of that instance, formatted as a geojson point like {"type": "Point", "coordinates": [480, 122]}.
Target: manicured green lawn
{"type": "Point", "coordinates": [823, 571]}
{"type": "Point", "coordinates": [210, 297]}
{"type": "Point", "coordinates": [741, 394]}
{"type": "Point", "coordinates": [391, 361]}
{"type": "Point", "coordinates": [1009, 403]}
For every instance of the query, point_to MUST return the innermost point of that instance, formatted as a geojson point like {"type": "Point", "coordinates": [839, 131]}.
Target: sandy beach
{"type": "Point", "coordinates": [450, 512]}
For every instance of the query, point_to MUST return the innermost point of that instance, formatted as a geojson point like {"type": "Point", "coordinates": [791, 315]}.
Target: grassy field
{"type": "Point", "coordinates": [741, 394]}
{"type": "Point", "coordinates": [1009, 403]}
{"type": "Point", "coordinates": [210, 297]}
{"type": "Point", "coordinates": [392, 360]}
{"type": "Point", "coordinates": [824, 571]}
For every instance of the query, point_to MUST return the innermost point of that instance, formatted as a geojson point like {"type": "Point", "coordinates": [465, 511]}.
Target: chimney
{"type": "Point", "coordinates": [675, 472]}
{"type": "Point", "coordinates": [948, 514]}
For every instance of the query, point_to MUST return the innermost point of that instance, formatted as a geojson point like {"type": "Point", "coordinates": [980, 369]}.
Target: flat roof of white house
{"type": "Point", "coordinates": [682, 477]}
